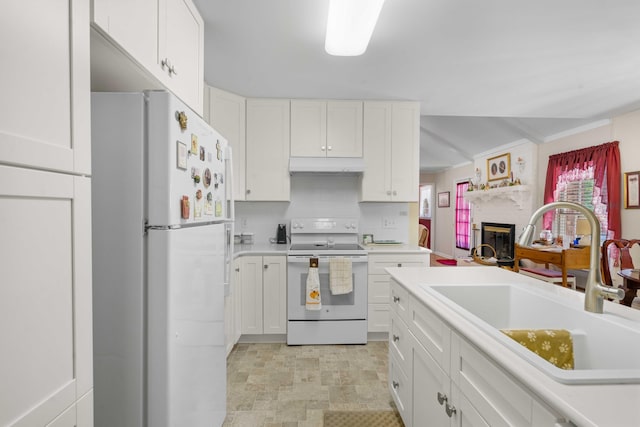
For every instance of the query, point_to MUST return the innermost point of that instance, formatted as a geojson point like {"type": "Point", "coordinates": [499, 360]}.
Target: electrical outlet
{"type": "Point", "coordinates": [243, 222]}
{"type": "Point", "coordinates": [388, 222]}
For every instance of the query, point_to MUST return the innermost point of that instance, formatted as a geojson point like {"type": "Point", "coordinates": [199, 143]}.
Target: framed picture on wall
{"type": "Point", "coordinates": [499, 167]}
{"type": "Point", "coordinates": [632, 190]}
{"type": "Point", "coordinates": [443, 199]}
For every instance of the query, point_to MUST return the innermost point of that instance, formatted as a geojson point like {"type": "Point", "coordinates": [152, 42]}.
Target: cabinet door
{"type": "Point", "coordinates": [274, 285]}
{"type": "Point", "coordinates": [226, 113]}
{"type": "Point", "coordinates": [465, 414]}
{"type": "Point", "coordinates": [133, 24]}
{"type": "Point", "coordinates": [251, 294]}
{"type": "Point", "coordinates": [376, 179]}
{"type": "Point", "coordinates": [44, 113]}
{"type": "Point", "coordinates": [45, 294]}
{"type": "Point", "coordinates": [430, 387]}
{"type": "Point", "coordinates": [405, 156]}
{"type": "Point", "coordinates": [267, 167]}
{"type": "Point", "coordinates": [308, 128]}
{"type": "Point", "coordinates": [181, 50]}
{"type": "Point", "coordinates": [344, 128]}
{"type": "Point", "coordinates": [400, 389]}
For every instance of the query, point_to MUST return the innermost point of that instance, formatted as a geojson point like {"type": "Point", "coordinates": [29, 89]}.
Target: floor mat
{"type": "Point", "coordinates": [448, 261]}
{"type": "Point", "coordinates": [362, 419]}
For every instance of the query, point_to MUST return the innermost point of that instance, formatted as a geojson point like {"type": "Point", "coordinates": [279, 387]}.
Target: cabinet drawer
{"type": "Point", "coordinates": [400, 389]}
{"type": "Point", "coordinates": [378, 319]}
{"type": "Point", "coordinates": [378, 263]}
{"type": "Point", "coordinates": [399, 301]}
{"type": "Point", "coordinates": [431, 332]}
{"type": "Point", "coordinates": [399, 340]}
{"type": "Point", "coordinates": [378, 287]}
{"type": "Point", "coordinates": [498, 399]}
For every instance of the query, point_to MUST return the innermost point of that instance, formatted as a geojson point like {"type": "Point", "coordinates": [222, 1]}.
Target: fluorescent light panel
{"type": "Point", "coordinates": [350, 25]}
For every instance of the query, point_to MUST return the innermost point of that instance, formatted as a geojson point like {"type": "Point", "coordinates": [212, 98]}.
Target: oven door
{"type": "Point", "coordinates": [334, 307]}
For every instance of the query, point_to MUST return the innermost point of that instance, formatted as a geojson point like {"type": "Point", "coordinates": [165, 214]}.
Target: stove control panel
{"type": "Point", "coordinates": [324, 225]}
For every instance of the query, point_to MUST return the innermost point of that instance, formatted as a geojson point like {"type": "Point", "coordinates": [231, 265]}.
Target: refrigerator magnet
{"type": "Point", "coordinates": [197, 208]}
{"type": "Point", "coordinates": [207, 178]}
{"type": "Point", "coordinates": [202, 153]}
{"type": "Point", "coordinates": [195, 174]}
{"type": "Point", "coordinates": [181, 117]}
{"type": "Point", "coordinates": [181, 155]}
{"type": "Point", "coordinates": [208, 208]}
{"type": "Point", "coordinates": [218, 150]}
{"type": "Point", "coordinates": [184, 207]}
{"type": "Point", "coordinates": [218, 208]}
{"type": "Point", "coordinates": [194, 144]}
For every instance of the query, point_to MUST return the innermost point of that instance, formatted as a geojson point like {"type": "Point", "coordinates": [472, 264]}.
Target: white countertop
{"type": "Point", "coordinates": [615, 405]}
{"type": "Point", "coordinates": [402, 248]}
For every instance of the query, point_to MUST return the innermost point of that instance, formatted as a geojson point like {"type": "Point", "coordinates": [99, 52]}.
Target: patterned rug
{"type": "Point", "coordinates": [362, 419]}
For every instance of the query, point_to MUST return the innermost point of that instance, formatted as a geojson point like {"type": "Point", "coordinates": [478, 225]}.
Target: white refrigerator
{"type": "Point", "coordinates": [162, 236]}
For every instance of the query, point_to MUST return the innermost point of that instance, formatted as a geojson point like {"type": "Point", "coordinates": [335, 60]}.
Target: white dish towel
{"type": "Point", "coordinates": [313, 301]}
{"type": "Point", "coordinates": [340, 281]}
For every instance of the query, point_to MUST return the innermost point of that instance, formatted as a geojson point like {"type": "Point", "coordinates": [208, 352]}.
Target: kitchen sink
{"type": "Point", "coordinates": [606, 346]}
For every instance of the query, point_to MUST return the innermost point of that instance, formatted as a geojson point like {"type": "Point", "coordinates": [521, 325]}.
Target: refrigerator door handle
{"type": "Point", "coordinates": [229, 174]}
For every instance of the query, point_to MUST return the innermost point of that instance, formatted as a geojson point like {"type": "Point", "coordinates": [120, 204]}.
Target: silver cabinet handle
{"type": "Point", "coordinates": [450, 410]}
{"type": "Point", "coordinates": [395, 384]}
{"type": "Point", "coordinates": [396, 338]}
{"type": "Point", "coordinates": [442, 398]}
{"type": "Point", "coordinates": [170, 68]}
{"type": "Point", "coordinates": [396, 299]}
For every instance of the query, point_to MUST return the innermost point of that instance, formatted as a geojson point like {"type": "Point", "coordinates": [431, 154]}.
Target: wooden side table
{"type": "Point", "coordinates": [631, 284]}
{"type": "Point", "coordinates": [571, 258]}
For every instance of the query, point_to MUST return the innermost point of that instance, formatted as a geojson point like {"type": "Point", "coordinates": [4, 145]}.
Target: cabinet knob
{"type": "Point", "coordinates": [399, 264]}
{"type": "Point", "coordinates": [323, 148]}
{"type": "Point", "coordinates": [395, 193]}
{"type": "Point", "coordinates": [329, 148]}
{"type": "Point", "coordinates": [442, 398]}
{"type": "Point", "coordinates": [237, 269]}
{"type": "Point", "coordinates": [248, 191]}
{"type": "Point", "coordinates": [265, 266]}
{"type": "Point", "coordinates": [396, 338]}
{"type": "Point", "coordinates": [396, 299]}
{"type": "Point", "coordinates": [450, 410]}
{"type": "Point", "coordinates": [395, 384]}
{"type": "Point", "coordinates": [388, 192]}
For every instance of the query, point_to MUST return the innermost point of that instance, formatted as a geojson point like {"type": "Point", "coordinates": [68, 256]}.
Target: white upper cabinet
{"type": "Point", "coordinates": [326, 128]}
{"type": "Point", "coordinates": [225, 111]}
{"type": "Point", "coordinates": [44, 113]}
{"type": "Point", "coordinates": [132, 24]}
{"type": "Point", "coordinates": [392, 151]}
{"type": "Point", "coordinates": [267, 155]}
{"type": "Point", "coordinates": [149, 44]}
{"type": "Point", "coordinates": [181, 50]}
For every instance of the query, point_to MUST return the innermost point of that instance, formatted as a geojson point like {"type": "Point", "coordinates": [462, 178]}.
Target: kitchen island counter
{"type": "Point", "coordinates": [583, 405]}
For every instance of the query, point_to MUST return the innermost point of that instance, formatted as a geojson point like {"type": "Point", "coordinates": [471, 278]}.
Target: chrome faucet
{"type": "Point", "coordinates": [595, 290]}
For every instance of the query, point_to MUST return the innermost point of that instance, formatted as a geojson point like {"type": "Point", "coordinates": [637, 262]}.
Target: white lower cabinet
{"type": "Point", "coordinates": [378, 284]}
{"type": "Point", "coordinates": [263, 287]}
{"type": "Point", "coordinates": [436, 377]}
{"type": "Point", "coordinates": [232, 310]}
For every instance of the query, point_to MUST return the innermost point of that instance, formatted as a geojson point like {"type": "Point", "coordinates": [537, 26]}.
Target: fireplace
{"type": "Point", "coordinates": [501, 237]}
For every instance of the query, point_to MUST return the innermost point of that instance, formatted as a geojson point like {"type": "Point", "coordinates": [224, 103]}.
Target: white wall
{"type": "Point", "coordinates": [319, 195]}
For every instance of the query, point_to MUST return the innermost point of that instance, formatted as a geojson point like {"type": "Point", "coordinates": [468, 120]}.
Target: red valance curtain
{"type": "Point", "coordinates": [604, 158]}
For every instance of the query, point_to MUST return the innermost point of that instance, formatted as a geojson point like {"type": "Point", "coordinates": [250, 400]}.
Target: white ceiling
{"type": "Point", "coordinates": [486, 73]}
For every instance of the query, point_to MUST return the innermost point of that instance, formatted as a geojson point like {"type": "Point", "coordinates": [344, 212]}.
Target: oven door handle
{"type": "Point", "coordinates": [305, 259]}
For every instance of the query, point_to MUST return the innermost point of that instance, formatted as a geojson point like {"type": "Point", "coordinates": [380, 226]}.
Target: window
{"type": "Point", "coordinates": [591, 177]}
{"type": "Point", "coordinates": [578, 186]}
{"type": "Point", "coordinates": [463, 216]}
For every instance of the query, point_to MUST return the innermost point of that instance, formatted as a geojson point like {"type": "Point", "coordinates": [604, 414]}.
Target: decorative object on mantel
{"type": "Point", "coordinates": [517, 193]}
{"type": "Point", "coordinates": [632, 190]}
{"type": "Point", "coordinates": [499, 167]}
{"type": "Point", "coordinates": [443, 199]}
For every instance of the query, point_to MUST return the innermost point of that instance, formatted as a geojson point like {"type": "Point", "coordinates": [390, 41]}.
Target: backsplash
{"type": "Point", "coordinates": [323, 195]}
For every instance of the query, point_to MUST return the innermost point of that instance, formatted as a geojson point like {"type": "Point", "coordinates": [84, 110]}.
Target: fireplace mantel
{"type": "Point", "coordinates": [517, 193]}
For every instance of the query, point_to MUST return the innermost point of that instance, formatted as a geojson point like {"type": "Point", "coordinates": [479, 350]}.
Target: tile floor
{"type": "Point", "coordinates": [275, 385]}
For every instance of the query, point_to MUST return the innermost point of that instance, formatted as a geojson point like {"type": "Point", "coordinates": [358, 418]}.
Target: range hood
{"type": "Point", "coordinates": [326, 164]}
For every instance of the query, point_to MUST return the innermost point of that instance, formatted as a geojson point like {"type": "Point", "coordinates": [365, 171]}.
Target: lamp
{"type": "Point", "coordinates": [583, 230]}
{"type": "Point", "coordinates": [350, 25]}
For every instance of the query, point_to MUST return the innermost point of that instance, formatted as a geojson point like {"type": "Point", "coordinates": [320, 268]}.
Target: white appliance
{"type": "Point", "coordinates": [161, 252]}
{"type": "Point", "coordinates": [342, 318]}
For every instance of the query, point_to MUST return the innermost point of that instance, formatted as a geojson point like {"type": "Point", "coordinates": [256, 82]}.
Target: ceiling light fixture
{"type": "Point", "coordinates": [350, 25]}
